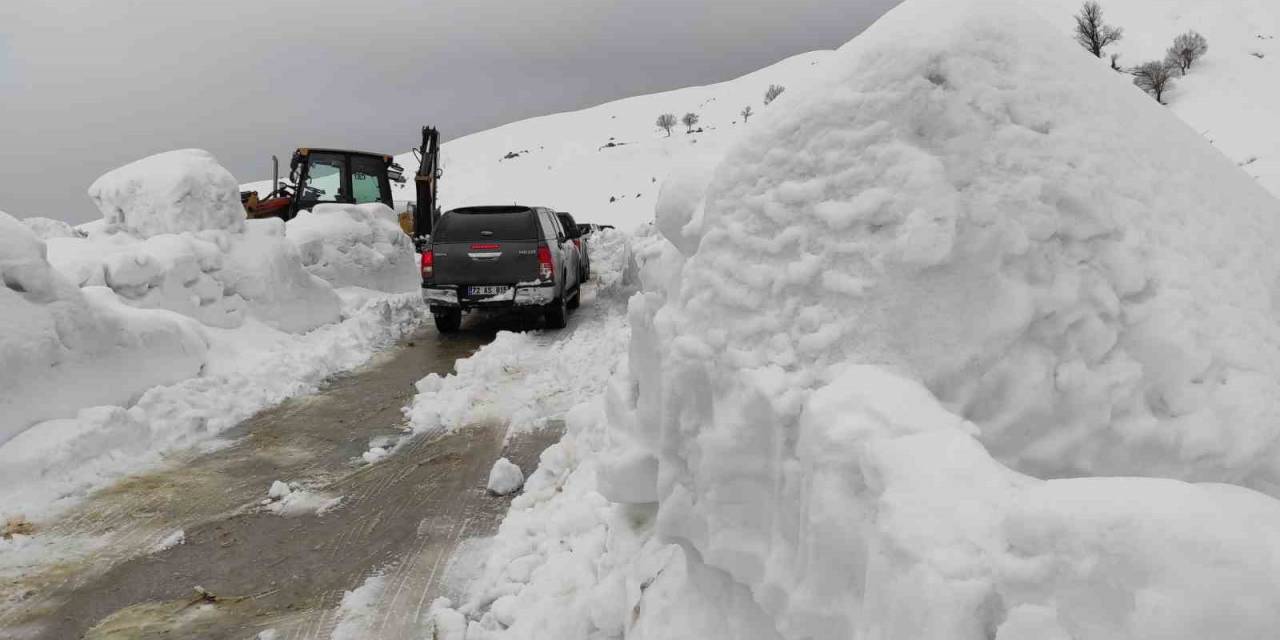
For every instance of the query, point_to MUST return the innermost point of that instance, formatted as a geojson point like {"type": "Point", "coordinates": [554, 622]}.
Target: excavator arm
{"type": "Point", "coordinates": [427, 183]}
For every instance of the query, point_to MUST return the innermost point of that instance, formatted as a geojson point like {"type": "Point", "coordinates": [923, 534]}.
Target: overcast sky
{"type": "Point", "coordinates": [88, 85]}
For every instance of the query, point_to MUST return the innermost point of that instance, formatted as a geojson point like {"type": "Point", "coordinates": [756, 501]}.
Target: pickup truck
{"type": "Point", "coordinates": [500, 258]}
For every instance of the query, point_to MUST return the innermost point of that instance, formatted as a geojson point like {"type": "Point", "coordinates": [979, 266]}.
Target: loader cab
{"type": "Point", "coordinates": [337, 175]}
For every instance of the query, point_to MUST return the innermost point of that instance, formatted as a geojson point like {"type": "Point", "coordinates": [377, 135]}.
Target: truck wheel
{"type": "Point", "coordinates": [557, 314]}
{"type": "Point", "coordinates": [449, 321]}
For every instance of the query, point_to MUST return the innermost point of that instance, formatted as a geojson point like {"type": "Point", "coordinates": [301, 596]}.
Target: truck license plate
{"type": "Point", "coordinates": [486, 291]}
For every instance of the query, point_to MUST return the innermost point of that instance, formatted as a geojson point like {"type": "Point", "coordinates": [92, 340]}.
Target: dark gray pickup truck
{"type": "Point", "coordinates": [500, 258]}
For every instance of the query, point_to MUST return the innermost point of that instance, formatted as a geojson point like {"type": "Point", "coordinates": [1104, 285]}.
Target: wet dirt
{"type": "Point", "coordinates": [404, 517]}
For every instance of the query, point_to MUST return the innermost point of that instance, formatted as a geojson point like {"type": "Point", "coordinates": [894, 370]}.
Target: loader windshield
{"type": "Point", "coordinates": [325, 176]}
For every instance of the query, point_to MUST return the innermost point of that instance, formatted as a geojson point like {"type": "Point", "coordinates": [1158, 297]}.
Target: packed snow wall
{"type": "Point", "coordinates": [63, 348]}
{"type": "Point", "coordinates": [967, 248]}
{"type": "Point", "coordinates": [358, 245]}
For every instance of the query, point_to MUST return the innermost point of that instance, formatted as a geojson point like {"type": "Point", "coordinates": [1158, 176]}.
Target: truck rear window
{"type": "Point", "coordinates": [467, 227]}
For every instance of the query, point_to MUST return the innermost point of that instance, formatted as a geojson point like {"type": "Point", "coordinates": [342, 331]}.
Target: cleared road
{"type": "Point", "coordinates": [403, 517]}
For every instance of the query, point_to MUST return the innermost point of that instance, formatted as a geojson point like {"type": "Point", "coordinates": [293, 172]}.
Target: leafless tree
{"type": "Point", "coordinates": [667, 122]}
{"type": "Point", "coordinates": [1154, 77]}
{"type": "Point", "coordinates": [773, 92]}
{"type": "Point", "coordinates": [746, 113]}
{"type": "Point", "coordinates": [1186, 49]}
{"type": "Point", "coordinates": [1091, 32]}
{"type": "Point", "coordinates": [1115, 63]}
{"type": "Point", "coordinates": [689, 120]}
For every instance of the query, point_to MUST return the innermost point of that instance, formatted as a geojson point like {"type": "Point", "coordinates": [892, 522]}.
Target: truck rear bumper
{"type": "Point", "coordinates": [446, 297]}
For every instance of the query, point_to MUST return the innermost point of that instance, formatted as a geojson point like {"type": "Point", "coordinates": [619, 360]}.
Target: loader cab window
{"type": "Point", "coordinates": [325, 177]}
{"type": "Point", "coordinates": [367, 176]}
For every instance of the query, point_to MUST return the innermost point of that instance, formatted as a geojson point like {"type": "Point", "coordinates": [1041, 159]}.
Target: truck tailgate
{"type": "Point", "coordinates": [486, 262]}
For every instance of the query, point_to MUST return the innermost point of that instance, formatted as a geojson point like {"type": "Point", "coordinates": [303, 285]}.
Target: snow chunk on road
{"type": "Point", "coordinates": [279, 489]}
{"type": "Point", "coordinates": [357, 609]}
{"type": "Point", "coordinates": [288, 499]}
{"type": "Point", "coordinates": [170, 192]}
{"type": "Point", "coordinates": [356, 246]}
{"type": "Point", "coordinates": [505, 477]}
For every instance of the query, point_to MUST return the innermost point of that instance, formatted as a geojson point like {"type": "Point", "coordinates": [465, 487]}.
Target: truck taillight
{"type": "Point", "coordinates": [544, 263]}
{"type": "Point", "coordinates": [577, 242]}
{"type": "Point", "coordinates": [428, 264]}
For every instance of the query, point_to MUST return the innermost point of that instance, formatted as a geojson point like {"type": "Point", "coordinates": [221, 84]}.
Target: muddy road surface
{"type": "Point", "coordinates": [403, 518]}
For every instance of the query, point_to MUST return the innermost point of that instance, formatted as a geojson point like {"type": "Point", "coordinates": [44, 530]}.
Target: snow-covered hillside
{"type": "Point", "coordinates": [1232, 96]}
{"type": "Point", "coordinates": [565, 160]}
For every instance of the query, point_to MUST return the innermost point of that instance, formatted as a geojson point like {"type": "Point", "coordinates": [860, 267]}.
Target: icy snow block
{"type": "Point", "coordinates": [171, 192]}
{"type": "Point", "coordinates": [505, 477]}
{"type": "Point", "coordinates": [64, 348]}
{"type": "Point", "coordinates": [356, 246]}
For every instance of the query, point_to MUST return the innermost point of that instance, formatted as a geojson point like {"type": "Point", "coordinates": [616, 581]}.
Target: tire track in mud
{"type": "Point", "coordinates": [268, 570]}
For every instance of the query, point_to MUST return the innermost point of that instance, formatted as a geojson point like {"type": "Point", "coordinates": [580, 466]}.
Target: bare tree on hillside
{"type": "Point", "coordinates": [689, 120]}
{"type": "Point", "coordinates": [1115, 63]}
{"type": "Point", "coordinates": [1186, 49]}
{"type": "Point", "coordinates": [1091, 32]}
{"type": "Point", "coordinates": [667, 122]}
{"type": "Point", "coordinates": [772, 93]}
{"type": "Point", "coordinates": [1154, 77]}
{"type": "Point", "coordinates": [746, 113]}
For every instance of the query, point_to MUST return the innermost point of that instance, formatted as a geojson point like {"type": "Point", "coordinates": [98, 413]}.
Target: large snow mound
{"type": "Point", "coordinates": [356, 246]}
{"type": "Point", "coordinates": [966, 234]}
{"type": "Point", "coordinates": [64, 348]}
{"type": "Point", "coordinates": [170, 192]}
{"type": "Point", "coordinates": [178, 272]}
{"type": "Point", "coordinates": [1055, 255]}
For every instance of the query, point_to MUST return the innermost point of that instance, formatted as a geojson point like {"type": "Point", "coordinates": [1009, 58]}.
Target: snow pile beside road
{"type": "Point", "coordinates": [170, 242]}
{"type": "Point", "coordinates": [247, 369]}
{"type": "Point", "coordinates": [265, 269]}
{"type": "Point", "coordinates": [968, 234]}
{"type": "Point", "coordinates": [356, 246]}
{"type": "Point", "coordinates": [1054, 255]}
{"type": "Point", "coordinates": [179, 272]}
{"type": "Point", "coordinates": [170, 192]}
{"type": "Point", "coordinates": [64, 348]}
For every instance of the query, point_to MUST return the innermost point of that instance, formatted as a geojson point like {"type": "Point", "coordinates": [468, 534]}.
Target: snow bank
{"type": "Point", "coordinates": [64, 348]}
{"type": "Point", "coordinates": [969, 248]}
{"type": "Point", "coordinates": [247, 369]}
{"type": "Point", "coordinates": [356, 245]}
{"type": "Point", "coordinates": [1053, 254]}
{"type": "Point", "coordinates": [179, 272]}
{"type": "Point", "coordinates": [170, 192]}
{"type": "Point", "coordinates": [264, 268]}
{"type": "Point", "coordinates": [1082, 282]}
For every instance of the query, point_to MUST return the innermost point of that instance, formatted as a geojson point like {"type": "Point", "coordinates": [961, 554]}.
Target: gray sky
{"type": "Point", "coordinates": [88, 85]}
